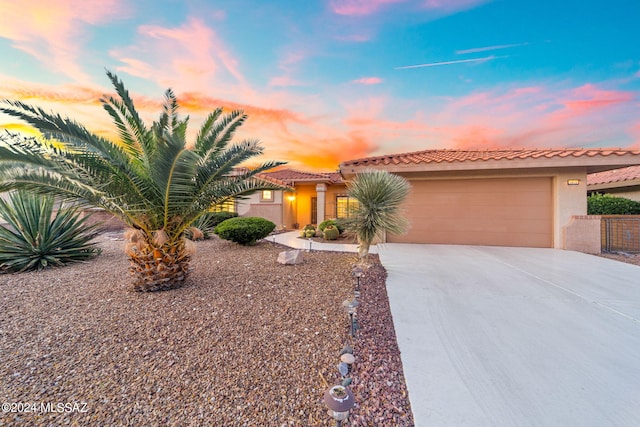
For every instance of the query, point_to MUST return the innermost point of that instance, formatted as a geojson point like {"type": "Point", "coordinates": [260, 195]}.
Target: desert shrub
{"type": "Point", "coordinates": [331, 232]}
{"type": "Point", "coordinates": [309, 227]}
{"type": "Point", "coordinates": [337, 223]}
{"type": "Point", "coordinates": [606, 204]}
{"type": "Point", "coordinates": [37, 238]}
{"type": "Point", "coordinates": [245, 231]}
{"type": "Point", "coordinates": [208, 222]}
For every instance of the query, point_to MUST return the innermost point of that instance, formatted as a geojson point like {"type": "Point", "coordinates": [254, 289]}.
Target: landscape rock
{"type": "Point", "coordinates": [290, 257]}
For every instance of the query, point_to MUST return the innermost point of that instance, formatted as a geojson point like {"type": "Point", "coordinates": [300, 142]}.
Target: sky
{"type": "Point", "coordinates": [324, 81]}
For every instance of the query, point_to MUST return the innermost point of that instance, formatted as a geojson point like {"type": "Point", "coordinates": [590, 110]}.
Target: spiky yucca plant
{"type": "Point", "coordinates": [149, 177]}
{"type": "Point", "coordinates": [36, 237]}
{"type": "Point", "coordinates": [380, 195]}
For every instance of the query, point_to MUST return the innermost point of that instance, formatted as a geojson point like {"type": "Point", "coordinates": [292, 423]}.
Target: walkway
{"type": "Point", "coordinates": [293, 240]}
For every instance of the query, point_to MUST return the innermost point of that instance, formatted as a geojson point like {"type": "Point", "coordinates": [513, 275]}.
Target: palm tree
{"type": "Point", "coordinates": [149, 178]}
{"type": "Point", "coordinates": [379, 195]}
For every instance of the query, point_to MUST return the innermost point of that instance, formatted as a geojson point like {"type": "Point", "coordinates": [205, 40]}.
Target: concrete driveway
{"type": "Point", "coordinates": [494, 336]}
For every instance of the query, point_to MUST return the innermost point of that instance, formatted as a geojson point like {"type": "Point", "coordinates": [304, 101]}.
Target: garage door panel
{"type": "Point", "coordinates": [500, 212]}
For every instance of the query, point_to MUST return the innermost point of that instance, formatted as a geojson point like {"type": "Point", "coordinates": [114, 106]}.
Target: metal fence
{"type": "Point", "coordinates": [621, 234]}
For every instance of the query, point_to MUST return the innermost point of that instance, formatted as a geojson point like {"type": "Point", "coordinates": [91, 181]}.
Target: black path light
{"type": "Point", "coordinates": [340, 400]}
{"type": "Point", "coordinates": [357, 272]}
{"type": "Point", "coordinates": [350, 306]}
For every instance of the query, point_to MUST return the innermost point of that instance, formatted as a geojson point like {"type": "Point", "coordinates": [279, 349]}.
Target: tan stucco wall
{"type": "Point", "coordinates": [569, 200]}
{"type": "Point", "coordinates": [583, 234]}
{"type": "Point", "coordinates": [243, 205]}
{"type": "Point", "coordinates": [271, 210]}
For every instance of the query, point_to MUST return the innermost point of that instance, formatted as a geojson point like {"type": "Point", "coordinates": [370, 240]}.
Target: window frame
{"type": "Point", "coordinates": [269, 199]}
{"type": "Point", "coordinates": [342, 212]}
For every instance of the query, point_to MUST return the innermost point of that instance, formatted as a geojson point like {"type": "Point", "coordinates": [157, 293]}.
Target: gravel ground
{"type": "Point", "coordinates": [247, 342]}
{"type": "Point", "coordinates": [623, 257]}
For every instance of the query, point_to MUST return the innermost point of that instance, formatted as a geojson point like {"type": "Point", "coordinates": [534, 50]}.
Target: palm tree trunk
{"type": "Point", "coordinates": [158, 267]}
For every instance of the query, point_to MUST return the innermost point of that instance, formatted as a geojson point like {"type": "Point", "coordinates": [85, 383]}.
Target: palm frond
{"type": "Point", "coordinates": [220, 134]}
{"type": "Point", "coordinates": [134, 133]}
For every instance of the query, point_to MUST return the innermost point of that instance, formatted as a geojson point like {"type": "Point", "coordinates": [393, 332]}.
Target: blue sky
{"type": "Point", "coordinates": [328, 81]}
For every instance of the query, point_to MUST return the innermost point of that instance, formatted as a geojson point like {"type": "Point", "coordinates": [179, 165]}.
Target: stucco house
{"type": "Point", "coordinates": [502, 197]}
{"type": "Point", "coordinates": [623, 182]}
{"type": "Point", "coordinates": [313, 198]}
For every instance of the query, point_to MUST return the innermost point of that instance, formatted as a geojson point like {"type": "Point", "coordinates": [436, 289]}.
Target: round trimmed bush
{"type": "Point", "coordinates": [245, 231]}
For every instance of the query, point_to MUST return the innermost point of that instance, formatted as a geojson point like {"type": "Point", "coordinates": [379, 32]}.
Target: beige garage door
{"type": "Point", "coordinates": [494, 212]}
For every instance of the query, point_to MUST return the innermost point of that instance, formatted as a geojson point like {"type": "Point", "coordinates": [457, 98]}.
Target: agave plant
{"type": "Point", "coordinates": [149, 177]}
{"type": "Point", "coordinates": [380, 195]}
{"type": "Point", "coordinates": [36, 238]}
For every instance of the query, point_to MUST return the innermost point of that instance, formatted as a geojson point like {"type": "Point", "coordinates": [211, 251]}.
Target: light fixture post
{"type": "Point", "coordinates": [340, 400]}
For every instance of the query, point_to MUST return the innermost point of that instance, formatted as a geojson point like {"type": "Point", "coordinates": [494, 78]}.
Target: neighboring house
{"type": "Point", "coordinates": [494, 197]}
{"type": "Point", "coordinates": [314, 198]}
{"type": "Point", "coordinates": [623, 182]}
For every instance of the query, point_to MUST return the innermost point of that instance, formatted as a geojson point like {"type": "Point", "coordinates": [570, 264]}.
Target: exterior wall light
{"type": "Point", "coordinates": [291, 198]}
{"type": "Point", "coordinates": [340, 400]}
{"type": "Point", "coordinates": [573, 182]}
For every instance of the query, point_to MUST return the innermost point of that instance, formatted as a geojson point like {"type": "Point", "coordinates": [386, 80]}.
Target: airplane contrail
{"type": "Point", "coordinates": [486, 48]}
{"type": "Point", "coordinates": [458, 61]}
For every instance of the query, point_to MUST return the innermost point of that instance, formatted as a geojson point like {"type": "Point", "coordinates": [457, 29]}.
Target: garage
{"type": "Point", "coordinates": [494, 197]}
{"type": "Point", "coordinates": [492, 212]}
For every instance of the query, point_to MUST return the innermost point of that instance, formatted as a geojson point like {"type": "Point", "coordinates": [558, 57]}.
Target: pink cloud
{"type": "Point", "coordinates": [368, 81]}
{"type": "Point", "coordinates": [288, 65]}
{"type": "Point", "coordinates": [588, 98]}
{"type": "Point", "coordinates": [55, 35]}
{"type": "Point", "coordinates": [368, 7]}
{"type": "Point", "coordinates": [359, 7]}
{"type": "Point", "coordinates": [284, 81]}
{"type": "Point", "coordinates": [537, 116]}
{"type": "Point", "coordinates": [190, 56]}
{"type": "Point", "coordinates": [452, 5]}
{"type": "Point", "coordinates": [356, 38]}
{"type": "Point", "coordinates": [634, 131]}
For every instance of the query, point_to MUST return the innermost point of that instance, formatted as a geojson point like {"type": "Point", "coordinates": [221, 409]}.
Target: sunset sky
{"type": "Point", "coordinates": [331, 80]}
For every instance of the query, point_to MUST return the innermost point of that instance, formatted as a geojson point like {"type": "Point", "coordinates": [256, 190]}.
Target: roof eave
{"type": "Point", "coordinates": [614, 184]}
{"type": "Point", "coordinates": [592, 164]}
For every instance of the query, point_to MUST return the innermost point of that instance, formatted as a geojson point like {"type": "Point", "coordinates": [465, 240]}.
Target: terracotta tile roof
{"type": "Point", "coordinates": [453, 156]}
{"type": "Point", "coordinates": [272, 180]}
{"type": "Point", "coordinates": [291, 176]}
{"type": "Point", "coordinates": [630, 173]}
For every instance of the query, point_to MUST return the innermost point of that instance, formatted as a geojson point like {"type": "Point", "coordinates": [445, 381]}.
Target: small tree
{"type": "Point", "coordinates": [380, 195]}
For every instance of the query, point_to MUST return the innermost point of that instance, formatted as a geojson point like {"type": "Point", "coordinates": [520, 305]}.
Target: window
{"type": "Point", "coordinates": [228, 206]}
{"type": "Point", "coordinates": [266, 196]}
{"type": "Point", "coordinates": [344, 204]}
